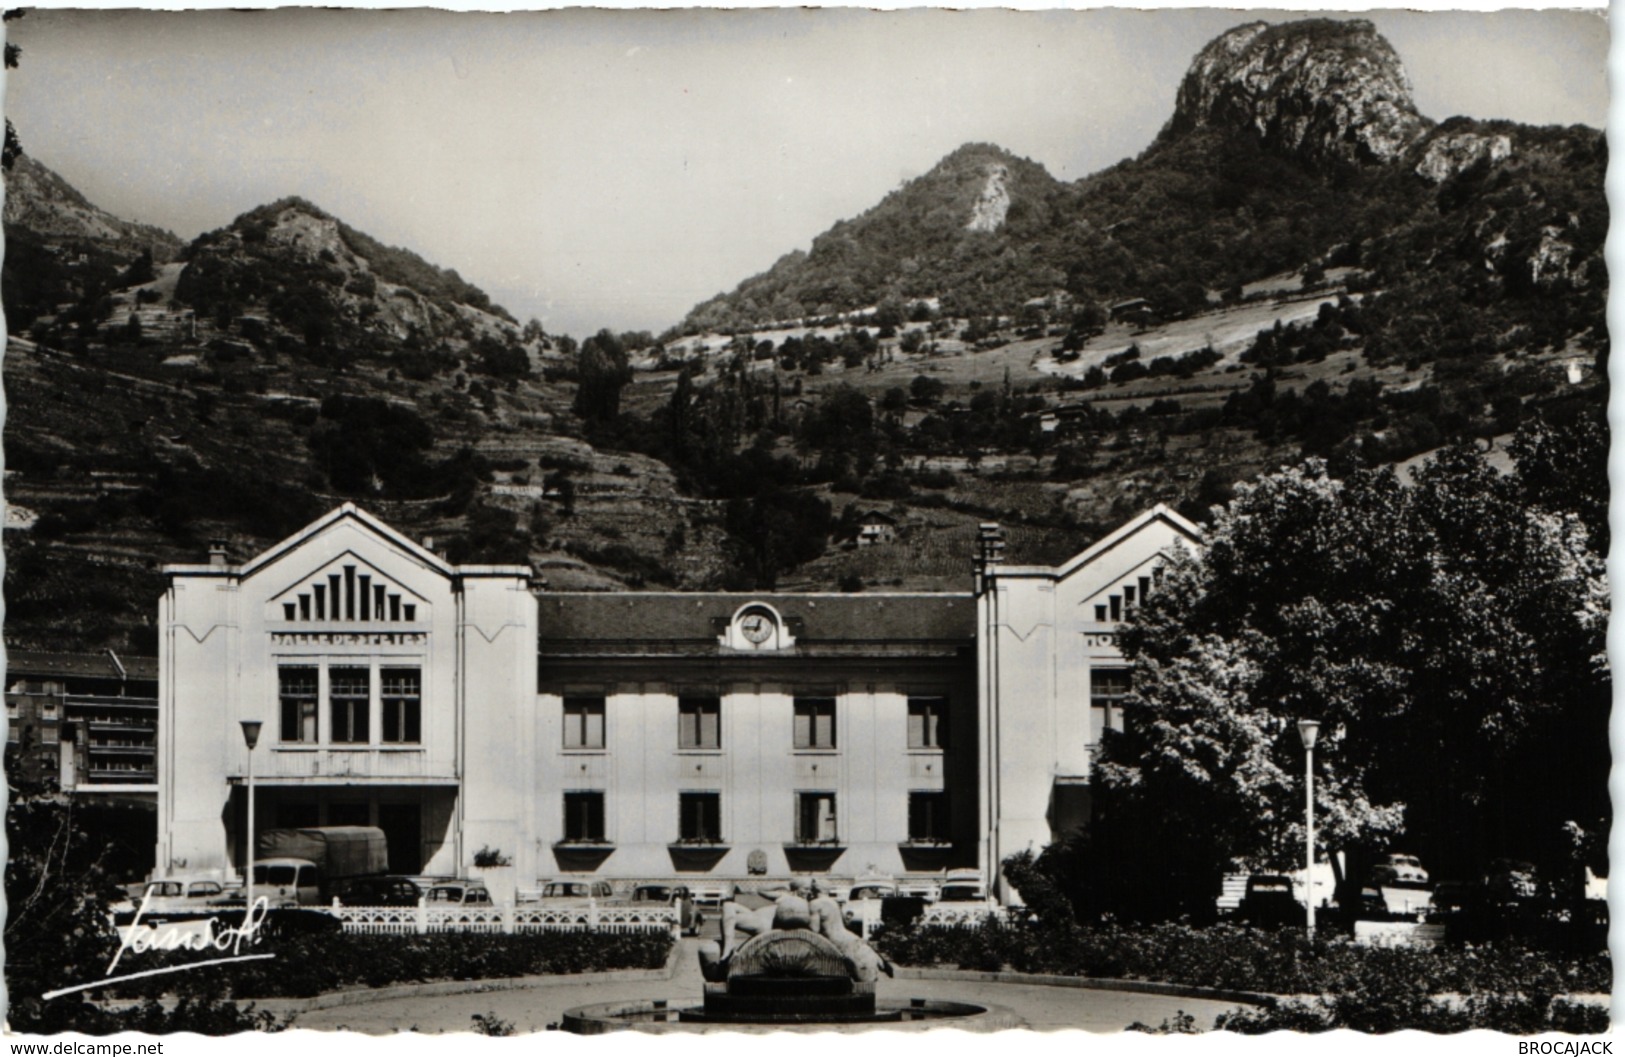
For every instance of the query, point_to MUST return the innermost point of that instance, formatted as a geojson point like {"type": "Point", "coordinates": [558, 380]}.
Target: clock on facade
{"type": "Point", "coordinates": [756, 626]}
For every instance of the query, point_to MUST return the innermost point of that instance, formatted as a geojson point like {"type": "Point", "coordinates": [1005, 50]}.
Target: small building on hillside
{"type": "Point", "coordinates": [876, 528]}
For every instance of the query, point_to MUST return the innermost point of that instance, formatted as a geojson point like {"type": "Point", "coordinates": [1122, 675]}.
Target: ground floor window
{"type": "Point", "coordinates": [584, 817]}
{"type": "Point", "coordinates": [700, 816]}
{"type": "Point", "coordinates": [815, 818]}
{"type": "Point", "coordinates": [928, 816]}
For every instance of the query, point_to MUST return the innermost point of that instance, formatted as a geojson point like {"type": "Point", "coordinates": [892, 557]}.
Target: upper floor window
{"type": "Point", "coordinates": [403, 705]}
{"type": "Point", "coordinates": [699, 722]}
{"type": "Point", "coordinates": [815, 722]}
{"type": "Point", "coordinates": [297, 690]}
{"type": "Point", "coordinates": [583, 722]}
{"type": "Point", "coordinates": [349, 695]}
{"type": "Point", "coordinates": [1109, 690]}
{"type": "Point", "coordinates": [927, 722]}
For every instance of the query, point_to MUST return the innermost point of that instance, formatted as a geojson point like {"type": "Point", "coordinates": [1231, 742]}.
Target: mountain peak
{"type": "Point", "coordinates": [1327, 90]}
{"type": "Point", "coordinates": [41, 201]}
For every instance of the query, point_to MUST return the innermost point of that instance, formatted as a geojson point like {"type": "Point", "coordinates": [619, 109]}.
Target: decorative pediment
{"type": "Point", "coordinates": [1117, 599]}
{"type": "Point", "coordinates": [348, 590]}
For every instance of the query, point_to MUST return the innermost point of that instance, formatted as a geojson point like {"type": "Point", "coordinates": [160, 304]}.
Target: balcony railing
{"type": "Point", "coordinates": [359, 762]}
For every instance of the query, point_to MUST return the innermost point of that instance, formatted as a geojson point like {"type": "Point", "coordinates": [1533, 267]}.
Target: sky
{"type": "Point", "coordinates": [615, 168]}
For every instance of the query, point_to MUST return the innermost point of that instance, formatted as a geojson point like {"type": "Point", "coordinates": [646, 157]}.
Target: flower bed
{"type": "Point", "coordinates": [313, 965]}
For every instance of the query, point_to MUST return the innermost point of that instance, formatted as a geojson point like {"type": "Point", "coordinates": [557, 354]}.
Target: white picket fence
{"type": "Point", "coordinates": [421, 920]}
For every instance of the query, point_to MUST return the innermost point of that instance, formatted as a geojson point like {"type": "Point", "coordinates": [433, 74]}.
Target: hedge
{"type": "Point", "coordinates": [1282, 962]}
{"type": "Point", "coordinates": [309, 965]}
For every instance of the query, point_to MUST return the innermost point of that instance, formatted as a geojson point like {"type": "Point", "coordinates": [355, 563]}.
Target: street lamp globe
{"type": "Point", "coordinates": [251, 732]}
{"type": "Point", "coordinates": [1308, 730]}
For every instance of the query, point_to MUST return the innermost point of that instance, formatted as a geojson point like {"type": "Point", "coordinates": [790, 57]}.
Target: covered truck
{"type": "Point", "coordinates": [305, 865]}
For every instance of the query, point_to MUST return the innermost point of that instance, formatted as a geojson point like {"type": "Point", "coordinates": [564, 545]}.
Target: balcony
{"type": "Point", "coordinates": [294, 766]}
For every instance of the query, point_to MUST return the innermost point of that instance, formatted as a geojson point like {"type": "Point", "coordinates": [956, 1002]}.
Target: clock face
{"type": "Point", "coordinates": [756, 627]}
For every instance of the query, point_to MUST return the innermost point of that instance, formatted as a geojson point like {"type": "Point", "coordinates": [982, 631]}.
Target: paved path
{"type": "Point", "coordinates": [1042, 1007]}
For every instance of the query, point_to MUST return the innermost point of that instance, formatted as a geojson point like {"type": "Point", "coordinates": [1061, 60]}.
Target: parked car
{"type": "Point", "coordinates": [864, 901]}
{"type": "Point", "coordinates": [689, 917]}
{"type": "Point", "coordinates": [1454, 897]}
{"type": "Point", "coordinates": [385, 891]}
{"type": "Point", "coordinates": [459, 893]}
{"type": "Point", "coordinates": [567, 892]}
{"type": "Point", "coordinates": [1399, 869]}
{"type": "Point", "coordinates": [920, 888]}
{"type": "Point", "coordinates": [1269, 902]}
{"type": "Point", "coordinates": [1510, 882]}
{"type": "Point", "coordinates": [171, 896]}
{"type": "Point", "coordinates": [961, 887]}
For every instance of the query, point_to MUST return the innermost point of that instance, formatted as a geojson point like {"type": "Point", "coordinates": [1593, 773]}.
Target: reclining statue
{"type": "Point", "coordinates": [799, 906]}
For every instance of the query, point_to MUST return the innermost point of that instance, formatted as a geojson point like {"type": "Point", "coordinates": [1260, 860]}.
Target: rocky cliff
{"type": "Point", "coordinates": [1328, 91]}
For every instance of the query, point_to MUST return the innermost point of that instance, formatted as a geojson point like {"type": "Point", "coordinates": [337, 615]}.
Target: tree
{"type": "Point", "coordinates": [1445, 634]}
{"type": "Point", "coordinates": [13, 148]}
{"type": "Point", "coordinates": [773, 532]}
{"type": "Point", "coordinates": [603, 371]}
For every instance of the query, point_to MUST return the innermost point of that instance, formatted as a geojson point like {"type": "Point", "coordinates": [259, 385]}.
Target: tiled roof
{"type": "Point", "coordinates": [815, 619]}
{"type": "Point", "coordinates": [84, 665]}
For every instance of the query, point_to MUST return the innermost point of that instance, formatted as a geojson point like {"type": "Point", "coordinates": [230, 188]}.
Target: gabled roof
{"type": "Point", "coordinates": [1181, 524]}
{"type": "Point", "coordinates": [349, 511]}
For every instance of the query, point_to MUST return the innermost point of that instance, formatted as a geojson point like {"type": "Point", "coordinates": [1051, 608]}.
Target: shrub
{"type": "Point", "coordinates": [1276, 961]}
{"type": "Point", "coordinates": [312, 965]}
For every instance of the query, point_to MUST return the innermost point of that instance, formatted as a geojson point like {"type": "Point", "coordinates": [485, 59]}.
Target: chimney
{"type": "Point", "coordinates": [989, 552]}
{"type": "Point", "coordinates": [428, 543]}
{"type": "Point", "coordinates": [217, 553]}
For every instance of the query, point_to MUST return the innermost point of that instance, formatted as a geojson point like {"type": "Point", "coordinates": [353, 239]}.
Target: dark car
{"type": "Point", "coordinates": [1508, 883]}
{"type": "Point", "coordinates": [1269, 902]}
{"type": "Point", "coordinates": [384, 891]}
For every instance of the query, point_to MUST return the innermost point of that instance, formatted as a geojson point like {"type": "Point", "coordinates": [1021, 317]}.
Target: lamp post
{"type": "Point", "coordinates": [251, 737]}
{"type": "Point", "coordinates": [1308, 730]}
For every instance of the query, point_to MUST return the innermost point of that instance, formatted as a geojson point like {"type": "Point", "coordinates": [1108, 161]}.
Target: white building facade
{"type": "Point", "coordinates": [708, 737]}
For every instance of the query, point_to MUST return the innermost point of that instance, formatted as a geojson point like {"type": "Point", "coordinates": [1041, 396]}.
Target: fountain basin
{"type": "Point", "coordinates": [659, 1016]}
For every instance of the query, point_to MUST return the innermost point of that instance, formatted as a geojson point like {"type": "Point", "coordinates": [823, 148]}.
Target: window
{"type": "Point", "coordinates": [584, 818]}
{"type": "Point", "coordinates": [928, 722]}
{"type": "Point", "coordinates": [928, 817]}
{"type": "Point", "coordinates": [700, 816]}
{"type": "Point", "coordinates": [583, 722]}
{"type": "Point", "coordinates": [349, 694]}
{"type": "Point", "coordinates": [403, 705]}
{"type": "Point", "coordinates": [815, 818]}
{"type": "Point", "coordinates": [815, 722]}
{"type": "Point", "coordinates": [699, 722]}
{"type": "Point", "coordinates": [297, 690]}
{"type": "Point", "coordinates": [1108, 688]}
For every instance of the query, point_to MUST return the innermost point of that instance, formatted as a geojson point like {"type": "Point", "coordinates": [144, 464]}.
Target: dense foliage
{"type": "Point", "coordinates": [1449, 637]}
{"type": "Point", "coordinates": [58, 931]}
